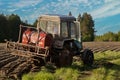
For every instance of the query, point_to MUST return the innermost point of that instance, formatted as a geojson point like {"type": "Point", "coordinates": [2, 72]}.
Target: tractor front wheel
{"type": "Point", "coordinates": [87, 57]}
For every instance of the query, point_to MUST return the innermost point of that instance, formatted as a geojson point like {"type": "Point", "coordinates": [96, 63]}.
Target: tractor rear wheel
{"type": "Point", "coordinates": [87, 57]}
{"type": "Point", "coordinates": [66, 58]}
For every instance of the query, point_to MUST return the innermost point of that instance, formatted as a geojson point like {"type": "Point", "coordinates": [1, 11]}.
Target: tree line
{"type": "Point", "coordinates": [9, 26]}
{"type": "Point", "coordinates": [88, 30]}
{"type": "Point", "coordinates": [109, 36]}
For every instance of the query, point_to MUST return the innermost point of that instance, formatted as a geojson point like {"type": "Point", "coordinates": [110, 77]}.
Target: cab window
{"type": "Point", "coordinates": [52, 27]}
{"type": "Point", "coordinates": [64, 29]}
{"type": "Point", "coordinates": [42, 25]}
{"type": "Point", "coordinates": [73, 30]}
{"type": "Point", "coordinates": [49, 27]}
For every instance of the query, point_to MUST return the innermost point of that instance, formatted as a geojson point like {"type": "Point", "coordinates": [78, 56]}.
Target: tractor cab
{"type": "Point", "coordinates": [60, 26]}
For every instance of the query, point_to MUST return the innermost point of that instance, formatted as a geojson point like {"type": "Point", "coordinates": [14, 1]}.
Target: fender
{"type": "Point", "coordinates": [59, 44]}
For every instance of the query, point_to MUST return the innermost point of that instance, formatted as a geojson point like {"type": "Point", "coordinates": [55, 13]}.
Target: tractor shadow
{"type": "Point", "coordinates": [108, 66]}
{"type": "Point", "coordinates": [101, 63]}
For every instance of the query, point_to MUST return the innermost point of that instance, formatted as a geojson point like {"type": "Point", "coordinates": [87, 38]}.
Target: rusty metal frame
{"type": "Point", "coordinates": [24, 50]}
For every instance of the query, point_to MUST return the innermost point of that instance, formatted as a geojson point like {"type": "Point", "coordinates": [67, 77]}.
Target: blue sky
{"type": "Point", "coordinates": [105, 13]}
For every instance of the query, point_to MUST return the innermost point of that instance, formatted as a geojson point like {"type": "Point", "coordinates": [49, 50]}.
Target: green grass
{"type": "Point", "coordinates": [67, 74]}
{"type": "Point", "coordinates": [60, 74]}
{"type": "Point", "coordinates": [105, 67]}
{"type": "Point", "coordinates": [42, 75]}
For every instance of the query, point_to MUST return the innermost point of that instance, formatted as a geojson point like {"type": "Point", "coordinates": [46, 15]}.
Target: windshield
{"type": "Point", "coordinates": [50, 27]}
{"type": "Point", "coordinates": [43, 25]}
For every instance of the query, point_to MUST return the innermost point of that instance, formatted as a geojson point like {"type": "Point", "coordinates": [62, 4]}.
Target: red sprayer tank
{"type": "Point", "coordinates": [33, 37]}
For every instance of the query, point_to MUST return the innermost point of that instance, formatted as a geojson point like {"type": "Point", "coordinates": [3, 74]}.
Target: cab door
{"type": "Point", "coordinates": [73, 33]}
{"type": "Point", "coordinates": [78, 33]}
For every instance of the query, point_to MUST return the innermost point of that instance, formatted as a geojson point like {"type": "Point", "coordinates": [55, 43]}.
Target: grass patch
{"type": "Point", "coordinates": [67, 74]}
{"type": "Point", "coordinates": [42, 75]}
{"type": "Point", "coordinates": [60, 74]}
{"type": "Point", "coordinates": [105, 67]}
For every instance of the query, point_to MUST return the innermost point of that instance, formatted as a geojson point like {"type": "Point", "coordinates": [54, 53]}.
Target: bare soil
{"type": "Point", "coordinates": [12, 66]}
{"type": "Point", "coordinates": [102, 46]}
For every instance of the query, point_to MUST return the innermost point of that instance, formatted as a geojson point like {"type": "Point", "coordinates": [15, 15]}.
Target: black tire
{"type": "Point", "coordinates": [64, 59]}
{"type": "Point", "coordinates": [87, 57]}
{"type": "Point", "coordinates": [68, 58]}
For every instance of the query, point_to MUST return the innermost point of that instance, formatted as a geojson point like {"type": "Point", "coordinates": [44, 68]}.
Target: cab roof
{"type": "Point", "coordinates": [57, 17]}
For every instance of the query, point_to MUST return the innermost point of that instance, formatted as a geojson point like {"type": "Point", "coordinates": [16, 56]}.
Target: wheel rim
{"type": "Point", "coordinates": [90, 58]}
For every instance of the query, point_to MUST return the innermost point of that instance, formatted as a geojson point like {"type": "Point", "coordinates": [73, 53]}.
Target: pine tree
{"type": "Point", "coordinates": [35, 23]}
{"type": "Point", "coordinates": [3, 28]}
{"type": "Point", "coordinates": [14, 22]}
{"type": "Point", "coordinates": [79, 17]}
{"type": "Point", "coordinates": [87, 27]}
{"type": "Point", "coordinates": [70, 14]}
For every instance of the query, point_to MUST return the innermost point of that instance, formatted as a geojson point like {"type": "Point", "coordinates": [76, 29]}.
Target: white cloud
{"type": "Point", "coordinates": [98, 9]}
{"type": "Point", "coordinates": [105, 28]}
{"type": "Point", "coordinates": [106, 1]}
{"type": "Point", "coordinates": [12, 10]}
{"type": "Point", "coordinates": [25, 3]}
{"type": "Point", "coordinates": [108, 9]}
{"type": "Point", "coordinates": [63, 7]}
